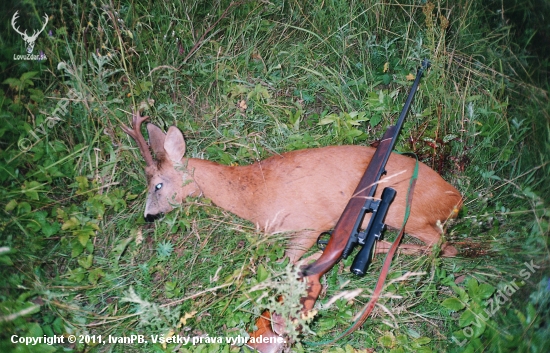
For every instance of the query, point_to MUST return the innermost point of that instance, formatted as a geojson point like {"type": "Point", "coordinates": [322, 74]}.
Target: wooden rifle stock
{"type": "Point", "coordinates": [349, 223]}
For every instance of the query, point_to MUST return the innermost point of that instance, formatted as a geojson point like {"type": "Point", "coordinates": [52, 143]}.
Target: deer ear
{"type": "Point", "coordinates": [156, 140]}
{"type": "Point", "coordinates": [174, 145]}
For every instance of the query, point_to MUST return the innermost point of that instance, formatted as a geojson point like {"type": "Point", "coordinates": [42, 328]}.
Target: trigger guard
{"type": "Point", "coordinates": [322, 244]}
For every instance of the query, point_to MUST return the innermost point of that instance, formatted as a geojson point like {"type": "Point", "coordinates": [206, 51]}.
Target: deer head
{"type": "Point", "coordinates": [28, 39]}
{"type": "Point", "coordinates": [168, 178]}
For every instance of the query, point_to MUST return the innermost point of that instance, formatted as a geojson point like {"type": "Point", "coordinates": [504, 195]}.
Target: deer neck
{"type": "Point", "coordinates": [233, 188]}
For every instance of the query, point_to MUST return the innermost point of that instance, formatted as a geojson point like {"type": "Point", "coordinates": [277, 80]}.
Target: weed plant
{"type": "Point", "coordinates": [245, 80]}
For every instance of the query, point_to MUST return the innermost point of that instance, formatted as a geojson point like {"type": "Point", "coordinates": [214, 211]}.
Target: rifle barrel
{"type": "Point", "coordinates": [407, 106]}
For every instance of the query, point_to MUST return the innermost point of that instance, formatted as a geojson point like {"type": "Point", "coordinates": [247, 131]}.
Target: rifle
{"type": "Point", "coordinates": [347, 234]}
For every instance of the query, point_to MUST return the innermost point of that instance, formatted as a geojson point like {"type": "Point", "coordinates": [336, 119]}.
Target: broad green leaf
{"type": "Point", "coordinates": [423, 340]}
{"type": "Point", "coordinates": [10, 206]}
{"type": "Point", "coordinates": [92, 225]}
{"type": "Point", "coordinates": [350, 349]}
{"type": "Point", "coordinates": [121, 246]}
{"type": "Point", "coordinates": [83, 238]}
{"type": "Point", "coordinates": [462, 295]}
{"type": "Point", "coordinates": [46, 348]}
{"type": "Point", "coordinates": [453, 304]}
{"type": "Point", "coordinates": [262, 273]}
{"type": "Point", "coordinates": [472, 286]}
{"type": "Point", "coordinates": [170, 286]}
{"type": "Point", "coordinates": [6, 260]}
{"type": "Point", "coordinates": [70, 224]}
{"type": "Point", "coordinates": [23, 208]}
{"type": "Point", "coordinates": [77, 249]}
{"type": "Point", "coordinates": [86, 262]}
{"type": "Point", "coordinates": [13, 82]}
{"type": "Point", "coordinates": [354, 133]}
{"type": "Point", "coordinates": [521, 317]}
{"type": "Point", "coordinates": [423, 350]}
{"type": "Point", "coordinates": [34, 330]}
{"type": "Point", "coordinates": [58, 326]}
{"type": "Point", "coordinates": [30, 189]}
{"type": "Point", "coordinates": [478, 325]}
{"type": "Point", "coordinates": [28, 75]}
{"type": "Point", "coordinates": [375, 120]}
{"type": "Point", "coordinates": [78, 274]}
{"type": "Point", "coordinates": [327, 324]}
{"type": "Point", "coordinates": [50, 229]}
{"type": "Point", "coordinates": [387, 340]}
{"type": "Point", "coordinates": [327, 119]}
{"type": "Point", "coordinates": [531, 313]}
{"type": "Point", "coordinates": [397, 350]}
{"type": "Point", "coordinates": [485, 290]}
{"type": "Point", "coordinates": [466, 318]}
{"type": "Point", "coordinates": [402, 340]}
{"type": "Point", "coordinates": [95, 275]}
{"type": "Point", "coordinates": [82, 183]}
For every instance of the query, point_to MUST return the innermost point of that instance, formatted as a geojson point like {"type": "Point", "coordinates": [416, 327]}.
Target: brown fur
{"type": "Point", "coordinates": [302, 192]}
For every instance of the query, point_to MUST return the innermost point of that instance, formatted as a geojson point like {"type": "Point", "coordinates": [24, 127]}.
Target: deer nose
{"type": "Point", "coordinates": [151, 217]}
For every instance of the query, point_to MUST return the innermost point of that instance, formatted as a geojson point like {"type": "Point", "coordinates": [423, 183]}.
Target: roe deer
{"type": "Point", "coordinates": [302, 192]}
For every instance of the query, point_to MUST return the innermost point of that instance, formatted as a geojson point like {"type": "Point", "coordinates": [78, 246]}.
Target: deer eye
{"type": "Point", "coordinates": [158, 186]}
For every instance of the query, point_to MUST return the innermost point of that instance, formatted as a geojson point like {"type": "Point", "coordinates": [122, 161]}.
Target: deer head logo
{"type": "Point", "coordinates": [28, 39]}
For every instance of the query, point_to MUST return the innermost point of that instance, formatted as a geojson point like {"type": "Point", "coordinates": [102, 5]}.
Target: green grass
{"type": "Point", "coordinates": [78, 258]}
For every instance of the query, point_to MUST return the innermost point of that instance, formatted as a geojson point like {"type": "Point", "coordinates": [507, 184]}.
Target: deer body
{"type": "Point", "coordinates": [306, 191]}
{"type": "Point", "coordinates": [302, 192]}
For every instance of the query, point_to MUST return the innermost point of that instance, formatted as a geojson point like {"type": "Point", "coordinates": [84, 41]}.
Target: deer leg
{"type": "Point", "coordinates": [447, 250]}
{"type": "Point", "coordinates": [429, 235]}
{"type": "Point", "coordinates": [304, 240]}
{"type": "Point", "coordinates": [383, 247]}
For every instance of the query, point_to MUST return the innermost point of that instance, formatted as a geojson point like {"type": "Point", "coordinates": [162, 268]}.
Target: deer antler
{"type": "Point", "coordinates": [24, 34]}
{"type": "Point", "coordinates": [135, 133]}
{"type": "Point", "coordinates": [45, 23]}
{"type": "Point", "coordinates": [13, 20]}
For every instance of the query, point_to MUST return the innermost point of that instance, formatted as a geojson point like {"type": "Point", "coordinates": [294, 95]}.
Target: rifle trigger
{"type": "Point", "coordinates": [322, 243]}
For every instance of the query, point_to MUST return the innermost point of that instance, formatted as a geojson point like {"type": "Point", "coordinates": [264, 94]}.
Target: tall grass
{"type": "Point", "coordinates": [246, 80]}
